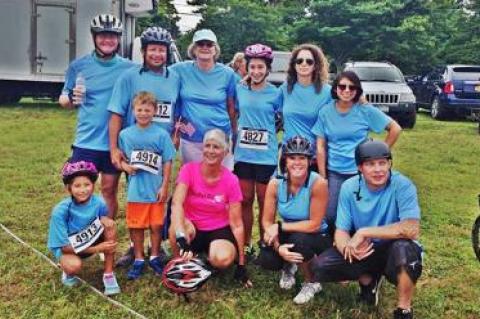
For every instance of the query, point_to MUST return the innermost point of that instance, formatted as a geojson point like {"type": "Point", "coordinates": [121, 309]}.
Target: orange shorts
{"type": "Point", "coordinates": [144, 215]}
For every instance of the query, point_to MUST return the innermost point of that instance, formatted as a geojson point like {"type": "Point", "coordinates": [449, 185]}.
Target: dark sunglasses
{"type": "Point", "coordinates": [343, 87]}
{"type": "Point", "coordinates": [299, 61]}
{"type": "Point", "coordinates": [207, 44]}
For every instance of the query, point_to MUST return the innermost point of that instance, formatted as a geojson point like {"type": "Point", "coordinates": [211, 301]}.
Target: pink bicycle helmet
{"type": "Point", "coordinates": [82, 168]}
{"type": "Point", "coordinates": [259, 51]}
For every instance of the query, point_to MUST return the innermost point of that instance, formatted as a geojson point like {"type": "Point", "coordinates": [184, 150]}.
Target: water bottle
{"type": "Point", "coordinates": [80, 84]}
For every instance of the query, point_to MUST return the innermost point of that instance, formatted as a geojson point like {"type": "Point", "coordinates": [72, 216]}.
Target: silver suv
{"type": "Point", "coordinates": [384, 86]}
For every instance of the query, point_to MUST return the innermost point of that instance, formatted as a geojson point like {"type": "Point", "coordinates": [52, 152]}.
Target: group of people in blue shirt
{"type": "Point", "coordinates": [344, 214]}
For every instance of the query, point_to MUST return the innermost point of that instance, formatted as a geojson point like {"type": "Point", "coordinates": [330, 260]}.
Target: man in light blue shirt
{"type": "Point", "coordinates": [88, 86]}
{"type": "Point", "coordinates": [378, 224]}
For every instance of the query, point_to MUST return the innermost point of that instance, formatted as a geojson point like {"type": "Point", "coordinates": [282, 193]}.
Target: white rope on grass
{"type": "Point", "coordinates": [95, 290]}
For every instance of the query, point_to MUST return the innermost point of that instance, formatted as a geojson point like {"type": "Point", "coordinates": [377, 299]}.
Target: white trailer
{"type": "Point", "coordinates": [39, 38]}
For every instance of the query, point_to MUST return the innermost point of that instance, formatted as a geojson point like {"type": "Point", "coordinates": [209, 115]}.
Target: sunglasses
{"type": "Point", "coordinates": [207, 44]}
{"type": "Point", "coordinates": [343, 87]}
{"type": "Point", "coordinates": [310, 62]}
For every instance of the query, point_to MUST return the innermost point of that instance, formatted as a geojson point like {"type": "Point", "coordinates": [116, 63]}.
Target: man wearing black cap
{"type": "Point", "coordinates": [378, 223]}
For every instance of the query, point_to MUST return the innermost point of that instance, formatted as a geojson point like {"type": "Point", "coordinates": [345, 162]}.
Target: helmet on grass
{"type": "Point", "coordinates": [184, 276]}
{"type": "Point", "coordinates": [71, 170]}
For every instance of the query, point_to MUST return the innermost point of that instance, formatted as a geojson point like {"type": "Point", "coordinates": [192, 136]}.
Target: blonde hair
{"type": "Point", "coordinates": [218, 136]}
{"type": "Point", "coordinates": [237, 58]}
{"type": "Point", "coordinates": [193, 46]}
{"type": "Point", "coordinates": [144, 97]}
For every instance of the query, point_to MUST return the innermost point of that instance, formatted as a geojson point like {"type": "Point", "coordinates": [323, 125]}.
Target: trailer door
{"type": "Point", "coordinates": [53, 41]}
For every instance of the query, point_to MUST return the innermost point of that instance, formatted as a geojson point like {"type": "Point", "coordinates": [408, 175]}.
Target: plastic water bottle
{"type": "Point", "coordinates": [80, 84]}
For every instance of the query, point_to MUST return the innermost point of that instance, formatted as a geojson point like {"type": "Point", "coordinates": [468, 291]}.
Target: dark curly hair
{"type": "Point", "coordinates": [320, 72]}
{"type": "Point", "coordinates": [352, 77]}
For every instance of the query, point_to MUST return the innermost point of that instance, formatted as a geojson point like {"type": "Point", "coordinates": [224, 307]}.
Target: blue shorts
{"type": "Point", "coordinates": [101, 159]}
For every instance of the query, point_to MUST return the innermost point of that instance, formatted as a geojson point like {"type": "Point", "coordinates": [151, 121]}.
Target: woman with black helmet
{"type": "Point", "coordinates": [256, 149]}
{"type": "Point", "coordinates": [301, 201]}
{"type": "Point", "coordinates": [88, 86]}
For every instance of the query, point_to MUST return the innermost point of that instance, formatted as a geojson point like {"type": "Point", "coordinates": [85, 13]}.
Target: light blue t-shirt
{"type": "Point", "coordinates": [144, 186]}
{"type": "Point", "coordinates": [395, 202]}
{"type": "Point", "coordinates": [93, 116]}
{"type": "Point", "coordinates": [135, 80]}
{"type": "Point", "coordinates": [344, 131]}
{"type": "Point", "coordinates": [257, 139]}
{"type": "Point", "coordinates": [203, 98]}
{"type": "Point", "coordinates": [69, 218]}
{"type": "Point", "coordinates": [300, 110]}
{"type": "Point", "coordinates": [297, 207]}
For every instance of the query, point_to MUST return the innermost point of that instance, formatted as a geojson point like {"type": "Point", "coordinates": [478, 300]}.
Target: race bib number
{"type": "Point", "coordinates": [86, 237]}
{"type": "Point", "coordinates": [254, 139]}
{"type": "Point", "coordinates": [164, 112]}
{"type": "Point", "coordinates": [147, 161]}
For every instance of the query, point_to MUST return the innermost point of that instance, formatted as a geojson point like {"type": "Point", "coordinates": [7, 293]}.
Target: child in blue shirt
{"type": "Point", "coordinates": [79, 226]}
{"type": "Point", "coordinates": [150, 151]}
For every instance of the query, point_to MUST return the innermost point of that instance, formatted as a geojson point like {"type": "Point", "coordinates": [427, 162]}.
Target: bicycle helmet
{"type": "Point", "coordinates": [106, 23]}
{"type": "Point", "coordinates": [297, 145]}
{"type": "Point", "coordinates": [371, 149]}
{"type": "Point", "coordinates": [156, 35]}
{"type": "Point", "coordinates": [184, 276]}
{"type": "Point", "coordinates": [71, 170]}
{"type": "Point", "coordinates": [259, 51]}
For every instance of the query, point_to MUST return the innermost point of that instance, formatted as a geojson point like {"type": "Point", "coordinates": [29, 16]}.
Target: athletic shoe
{"type": "Point", "coordinates": [156, 265]}
{"type": "Point", "coordinates": [126, 259]}
{"type": "Point", "coordinates": [136, 270]}
{"type": "Point", "coordinates": [69, 281]}
{"type": "Point", "coordinates": [287, 278]}
{"type": "Point", "coordinates": [400, 313]}
{"type": "Point", "coordinates": [369, 294]}
{"type": "Point", "coordinates": [309, 289]}
{"type": "Point", "coordinates": [110, 284]}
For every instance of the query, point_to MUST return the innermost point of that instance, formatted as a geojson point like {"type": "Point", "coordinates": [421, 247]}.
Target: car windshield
{"type": "Point", "coordinates": [380, 74]}
{"type": "Point", "coordinates": [466, 73]}
{"type": "Point", "coordinates": [280, 61]}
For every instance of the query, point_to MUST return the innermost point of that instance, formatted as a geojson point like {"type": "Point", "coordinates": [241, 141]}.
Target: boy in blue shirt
{"type": "Point", "coordinates": [149, 151]}
{"type": "Point", "coordinates": [378, 223]}
{"type": "Point", "coordinates": [79, 226]}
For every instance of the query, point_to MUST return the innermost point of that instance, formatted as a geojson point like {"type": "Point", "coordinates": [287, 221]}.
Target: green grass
{"type": "Point", "coordinates": [440, 157]}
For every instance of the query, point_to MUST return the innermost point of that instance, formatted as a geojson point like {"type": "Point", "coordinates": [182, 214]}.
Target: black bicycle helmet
{"type": "Point", "coordinates": [106, 23]}
{"type": "Point", "coordinates": [297, 145]}
{"type": "Point", "coordinates": [156, 35]}
{"type": "Point", "coordinates": [371, 149]}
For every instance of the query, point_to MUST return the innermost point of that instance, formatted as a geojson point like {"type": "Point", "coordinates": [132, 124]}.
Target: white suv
{"type": "Point", "coordinates": [384, 86]}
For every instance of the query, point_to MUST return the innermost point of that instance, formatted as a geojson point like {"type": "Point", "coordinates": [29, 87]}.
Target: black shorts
{"type": "Point", "coordinates": [306, 244]}
{"type": "Point", "coordinates": [99, 240]}
{"type": "Point", "coordinates": [101, 159]}
{"type": "Point", "coordinates": [258, 172]}
{"type": "Point", "coordinates": [387, 259]}
{"type": "Point", "coordinates": [203, 239]}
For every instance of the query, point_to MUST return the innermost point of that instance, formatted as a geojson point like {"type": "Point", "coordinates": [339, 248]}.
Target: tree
{"type": "Point", "coordinates": [166, 16]}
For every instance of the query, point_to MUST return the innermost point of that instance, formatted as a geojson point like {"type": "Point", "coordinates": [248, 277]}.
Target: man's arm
{"type": "Point", "coordinates": [406, 229]}
{"type": "Point", "coordinates": [114, 127]}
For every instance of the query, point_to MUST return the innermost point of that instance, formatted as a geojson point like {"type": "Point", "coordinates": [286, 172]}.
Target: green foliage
{"type": "Point", "coordinates": [165, 17]}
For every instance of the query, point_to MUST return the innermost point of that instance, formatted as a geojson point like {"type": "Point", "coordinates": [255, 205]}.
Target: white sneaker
{"type": "Point", "coordinates": [309, 289]}
{"type": "Point", "coordinates": [287, 278]}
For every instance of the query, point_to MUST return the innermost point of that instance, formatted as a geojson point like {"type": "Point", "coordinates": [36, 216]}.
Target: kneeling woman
{"type": "Point", "coordinates": [206, 209]}
{"type": "Point", "coordinates": [301, 200]}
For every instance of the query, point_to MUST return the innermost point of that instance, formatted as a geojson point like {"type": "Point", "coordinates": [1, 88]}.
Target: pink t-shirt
{"type": "Point", "coordinates": [206, 205]}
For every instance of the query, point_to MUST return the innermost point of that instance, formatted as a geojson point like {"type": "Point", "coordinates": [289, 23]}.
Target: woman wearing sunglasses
{"type": "Point", "coordinates": [206, 98]}
{"type": "Point", "coordinates": [305, 92]}
{"type": "Point", "coordinates": [341, 126]}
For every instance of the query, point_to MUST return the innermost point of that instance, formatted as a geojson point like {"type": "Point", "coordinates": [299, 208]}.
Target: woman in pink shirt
{"type": "Point", "coordinates": [206, 209]}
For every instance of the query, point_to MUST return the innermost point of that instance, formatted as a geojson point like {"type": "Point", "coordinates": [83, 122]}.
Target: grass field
{"type": "Point", "coordinates": [442, 158]}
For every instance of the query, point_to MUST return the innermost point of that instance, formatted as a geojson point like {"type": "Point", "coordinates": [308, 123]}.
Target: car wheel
{"type": "Point", "coordinates": [408, 120]}
{"type": "Point", "coordinates": [437, 111]}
